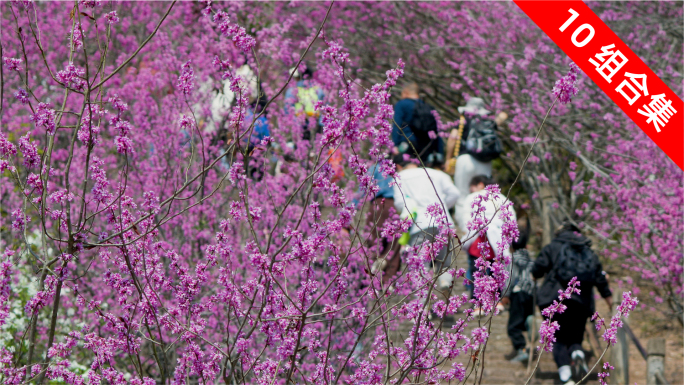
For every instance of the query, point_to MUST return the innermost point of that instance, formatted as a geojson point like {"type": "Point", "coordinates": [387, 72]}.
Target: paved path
{"type": "Point", "coordinates": [497, 370]}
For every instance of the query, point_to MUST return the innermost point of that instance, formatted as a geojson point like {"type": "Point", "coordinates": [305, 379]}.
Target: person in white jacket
{"type": "Point", "coordinates": [467, 166]}
{"type": "Point", "coordinates": [492, 214]}
{"type": "Point", "coordinates": [420, 188]}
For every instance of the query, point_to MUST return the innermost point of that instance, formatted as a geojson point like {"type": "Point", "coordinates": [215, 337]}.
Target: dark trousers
{"type": "Point", "coordinates": [521, 308]}
{"type": "Point", "coordinates": [569, 337]}
{"type": "Point", "coordinates": [469, 274]}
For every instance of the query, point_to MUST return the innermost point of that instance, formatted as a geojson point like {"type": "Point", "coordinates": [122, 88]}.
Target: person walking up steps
{"type": "Point", "coordinates": [478, 145]}
{"type": "Point", "coordinates": [519, 291]}
{"type": "Point", "coordinates": [421, 188]}
{"type": "Point", "coordinates": [494, 230]}
{"type": "Point", "coordinates": [569, 255]}
{"type": "Point", "coordinates": [380, 209]}
{"type": "Point", "coordinates": [414, 130]}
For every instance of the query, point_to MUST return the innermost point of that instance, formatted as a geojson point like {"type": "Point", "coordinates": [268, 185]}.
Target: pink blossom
{"type": "Point", "coordinates": [44, 118]}
{"type": "Point", "coordinates": [12, 64]}
{"type": "Point", "coordinates": [72, 77]}
{"type": "Point", "coordinates": [186, 79]}
{"type": "Point", "coordinates": [124, 145]}
{"type": "Point", "coordinates": [22, 96]}
{"type": "Point", "coordinates": [542, 178]}
{"type": "Point", "coordinates": [111, 17]}
{"type": "Point", "coordinates": [29, 150]}
{"type": "Point", "coordinates": [566, 87]}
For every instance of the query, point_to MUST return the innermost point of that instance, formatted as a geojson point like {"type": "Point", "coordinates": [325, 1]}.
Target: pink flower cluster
{"type": "Point", "coordinates": [566, 87]}
{"type": "Point", "coordinates": [603, 375]}
{"type": "Point", "coordinates": [72, 77]}
{"type": "Point", "coordinates": [549, 327]}
{"type": "Point", "coordinates": [240, 37]}
{"type": "Point", "coordinates": [628, 305]}
{"type": "Point", "coordinates": [11, 63]}
{"type": "Point", "coordinates": [44, 117]}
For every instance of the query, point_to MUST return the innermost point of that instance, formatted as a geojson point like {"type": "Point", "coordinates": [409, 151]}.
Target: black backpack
{"type": "Point", "coordinates": [423, 122]}
{"type": "Point", "coordinates": [483, 144]}
{"type": "Point", "coordinates": [576, 262]}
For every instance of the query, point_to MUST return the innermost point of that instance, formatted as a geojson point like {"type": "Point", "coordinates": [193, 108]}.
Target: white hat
{"type": "Point", "coordinates": [296, 73]}
{"type": "Point", "coordinates": [474, 106]}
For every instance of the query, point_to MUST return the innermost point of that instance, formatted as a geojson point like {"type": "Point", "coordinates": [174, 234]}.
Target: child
{"type": "Point", "coordinates": [493, 235]}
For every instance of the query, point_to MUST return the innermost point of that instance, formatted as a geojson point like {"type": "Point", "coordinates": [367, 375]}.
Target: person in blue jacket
{"type": "Point", "coordinates": [261, 125]}
{"type": "Point", "coordinates": [402, 133]}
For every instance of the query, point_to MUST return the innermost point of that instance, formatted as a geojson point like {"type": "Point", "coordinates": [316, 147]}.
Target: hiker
{"type": "Point", "coordinates": [474, 144]}
{"type": "Point", "coordinates": [421, 188]}
{"type": "Point", "coordinates": [435, 160]}
{"type": "Point", "coordinates": [303, 98]}
{"type": "Point", "coordinates": [261, 125]}
{"type": "Point", "coordinates": [381, 208]}
{"type": "Point", "coordinates": [224, 99]}
{"type": "Point", "coordinates": [260, 130]}
{"type": "Point", "coordinates": [569, 255]}
{"type": "Point", "coordinates": [519, 291]}
{"type": "Point", "coordinates": [472, 239]}
{"type": "Point", "coordinates": [415, 128]}
{"type": "Point", "coordinates": [223, 102]}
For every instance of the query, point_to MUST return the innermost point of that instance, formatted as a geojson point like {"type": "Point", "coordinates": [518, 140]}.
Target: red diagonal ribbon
{"type": "Point", "coordinates": [618, 71]}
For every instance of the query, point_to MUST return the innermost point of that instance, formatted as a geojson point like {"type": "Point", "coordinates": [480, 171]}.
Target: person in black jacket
{"type": "Point", "coordinates": [567, 350]}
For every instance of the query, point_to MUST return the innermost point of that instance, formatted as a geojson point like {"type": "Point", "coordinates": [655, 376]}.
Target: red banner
{"type": "Point", "coordinates": [618, 71]}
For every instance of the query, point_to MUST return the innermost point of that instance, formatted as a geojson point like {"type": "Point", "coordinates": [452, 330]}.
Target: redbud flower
{"type": "Point", "coordinates": [89, 3]}
{"type": "Point", "coordinates": [566, 87]}
{"type": "Point", "coordinates": [11, 63]}
{"type": "Point", "coordinates": [111, 17]}
{"type": "Point", "coordinates": [124, 145]}
{"type": "Point", "coordinates": [30, 151]}
{"type": "Point", "coordinates": [7, 148]}
{"type": "Point", "coordinates": [72, 77]}
{"type": "Point", "coordinates": [44, 117]}
{"type": "Point", "coordinates": [77, 36]}
{"type": "Point", "coordinates": [628, 304]}
{"type": "Point", "coordinates": [22, 96]}
{"type": "Point", "coordinates": [186, 79]}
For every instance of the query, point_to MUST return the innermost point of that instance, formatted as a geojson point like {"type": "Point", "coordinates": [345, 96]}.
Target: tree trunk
{"type": "Point", "coordinates": [546, 196]}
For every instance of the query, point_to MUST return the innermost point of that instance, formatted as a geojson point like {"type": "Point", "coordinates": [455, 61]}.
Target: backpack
{"type": "Point", "coordinates": [483, 144]}
{"type": "Point", "coordinates": [474, 249]}
{"type": "Point", "coordinates": [423, 122]}
{"type": "Point", "coordinates": [573, 262]}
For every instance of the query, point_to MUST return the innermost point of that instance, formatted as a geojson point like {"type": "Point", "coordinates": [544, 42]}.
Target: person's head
{"type": "Point", "coordinates": [435, 160]}
{"type": "Point", "coordinates": [567, 225]}
{"type": "Point", "coordinates": [296, 74]}
{"type": "Point", "coordinates": [403, 161]}
{"type": "Point", "coordinates": [479, 182]}
{"type": "Point", "coordinates": [259, 104]}
{"type": "Point", "coordinates": [474, 106]}
{"type": "Point", "coordinates": [410, 91]}
{"type": "Point", "coordinates": [524, 229]}
{"type": "Point", "coordinates": [304, 72]}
